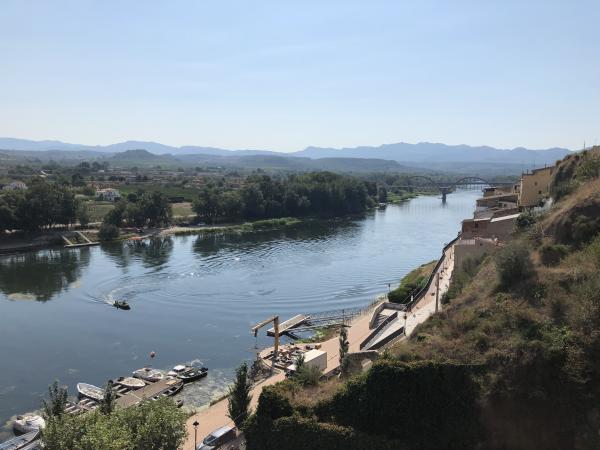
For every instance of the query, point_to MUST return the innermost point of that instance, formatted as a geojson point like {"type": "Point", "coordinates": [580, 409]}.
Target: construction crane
{"type": "Point", "coordinates": [275, 320]}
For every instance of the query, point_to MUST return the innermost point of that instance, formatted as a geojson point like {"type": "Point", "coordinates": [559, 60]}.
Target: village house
{"type": "Point", "coordinates": [108, 194]}
{"type": "Point", "coordinates": [535, 186]}
{"type": "Point", "coordinates": [15, 186]}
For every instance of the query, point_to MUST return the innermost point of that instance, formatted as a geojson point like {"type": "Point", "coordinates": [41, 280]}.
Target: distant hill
{"type": "Point", "coordinates": [426, 152]}
{"type": "Point", "coordinates": [482, 160]}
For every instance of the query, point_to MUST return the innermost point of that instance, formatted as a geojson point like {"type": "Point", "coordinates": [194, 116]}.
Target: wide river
{"type": "Point", "coordinates": [194, 298]}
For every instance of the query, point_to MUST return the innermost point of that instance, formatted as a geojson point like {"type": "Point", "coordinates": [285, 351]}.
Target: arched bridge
{"type": "Point", "coordinates": [448, 186]}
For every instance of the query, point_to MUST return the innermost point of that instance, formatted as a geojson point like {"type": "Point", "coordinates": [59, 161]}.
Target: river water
{"type": "Point", "coordinates": [194, 298]}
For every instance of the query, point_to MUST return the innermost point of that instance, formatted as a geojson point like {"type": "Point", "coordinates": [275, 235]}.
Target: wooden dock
{"type": "Point", "coordinates": [148, 392]}
{"type": "Point", "coordinates": [86, 242]}
{"type": "Point", "coordinates": [289, 324]}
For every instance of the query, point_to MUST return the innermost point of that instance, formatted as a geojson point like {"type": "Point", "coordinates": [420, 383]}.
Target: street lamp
{"type": "Point", "coordinates": [405, 317]}
{"type": "Point", "coordinates": [195, 433]}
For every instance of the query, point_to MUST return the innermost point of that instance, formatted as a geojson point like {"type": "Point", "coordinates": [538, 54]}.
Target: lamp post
{"type": "Point", "coordinates": [195, 424]}
{"type": "Point", "coordinates": [405, 317]}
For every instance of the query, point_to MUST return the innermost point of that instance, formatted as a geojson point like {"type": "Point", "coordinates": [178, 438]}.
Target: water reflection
{"type": "Point", "coordinates": [153, 252]}
{"type": "Point", "coordinates": [41, 275]}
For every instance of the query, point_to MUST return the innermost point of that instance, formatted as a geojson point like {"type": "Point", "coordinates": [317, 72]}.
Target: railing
{"type": "Point", "coordinates": [388, 339]}
{"type": "Point", "coordinates": [419, 295]}
{"type": "Point", "coordinates": [378, 330]}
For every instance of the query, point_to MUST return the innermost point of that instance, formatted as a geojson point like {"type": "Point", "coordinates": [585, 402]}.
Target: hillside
{"type": "Point", "coordinates": [481, 160]}
{"type": "Point", "coordinates": [511, 361]}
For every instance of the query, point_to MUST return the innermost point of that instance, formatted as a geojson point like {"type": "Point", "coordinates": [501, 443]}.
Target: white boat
{"type": "Point", "coordinates": [90, 391]}
{"type": "Point", "coordinates": [20, 442]}
{"type": "Point", "coordinates": [149, 374]}
{"type": "Point", "coordinates": [130, 382]}
{"type": "Point", "coordinates": [28, 423]}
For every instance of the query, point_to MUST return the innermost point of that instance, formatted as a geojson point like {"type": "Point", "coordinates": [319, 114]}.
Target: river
{"type": "Point", "coordinates": [194, 298]}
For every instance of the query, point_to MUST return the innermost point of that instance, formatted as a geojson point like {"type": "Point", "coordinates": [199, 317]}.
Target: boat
{"type": "Point", "coordinates": [121, 304]}
{"type": "Point", "coordinates": [20, 442]}
{"type": "Point", "coordinates": [149, 374]}
{"type": "Point", "coordinates": [130, 382]}
{"type": "Point", "coordinates": [28, 423]}
{"type": "Point", "coordinates": [188, 373]}
{"type": "Point", "coordinates": [90, 391]}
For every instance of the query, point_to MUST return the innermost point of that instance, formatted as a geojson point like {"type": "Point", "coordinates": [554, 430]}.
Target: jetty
{"type": "Point", "coordinates": [288, 325]}
{"type": "Point", "coordinates": [150, 391]}
{"type": "Point", "coordinates": [82, 240]}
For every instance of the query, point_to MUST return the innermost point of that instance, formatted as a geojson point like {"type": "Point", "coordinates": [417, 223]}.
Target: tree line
{"type": "Point", "coordinates": [41, 205]}
{"type": "Point", "coordinates": [265, 197]}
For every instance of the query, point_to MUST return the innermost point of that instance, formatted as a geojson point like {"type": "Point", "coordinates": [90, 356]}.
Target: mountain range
{"type": "Point", "coordinates": [435, 156]}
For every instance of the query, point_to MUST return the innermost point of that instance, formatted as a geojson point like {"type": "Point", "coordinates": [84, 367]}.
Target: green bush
{"type": "Point", "coordinates": [424, 405]}
{"type": "Point", "coordinates": [407, 285]}
{"type": "Point", "coordinates": [525, 221]}
{"type": "Point", "coordinates": [514, 265]}
{"type": "Point", "coordinates": [108, 232]}
{"type": "Point", "coordinates": [551, 254]}
{"type": "Point", "coordinates": [584, 228]}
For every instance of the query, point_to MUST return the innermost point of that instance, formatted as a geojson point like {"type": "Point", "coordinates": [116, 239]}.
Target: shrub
{"type": "Point", "coordinates": [551, 254]}
{"type": "Point", "coordinates": [108, 232]}
{"type": "Point", "coordinates": [525, 221]}
{"type": "Point", "coordinates": [437, 406]}
{"type": "Point", "coordinates": [514, 265]}
{"type": "Point", "coordinates": [584, 228]}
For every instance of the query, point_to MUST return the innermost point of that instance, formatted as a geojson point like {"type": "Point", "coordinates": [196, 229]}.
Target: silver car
{"type": "Point", "coordinates": [217, 438]}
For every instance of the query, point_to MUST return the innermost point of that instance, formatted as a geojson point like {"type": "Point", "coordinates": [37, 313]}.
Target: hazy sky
{"type": "Point", "coordinates": [284, 75]}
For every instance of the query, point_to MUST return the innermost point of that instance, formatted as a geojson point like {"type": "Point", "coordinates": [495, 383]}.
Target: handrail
{"type": "Point", "coordinates": [377, 330]}
{"type": "Point", "coordinates": [410, 303]}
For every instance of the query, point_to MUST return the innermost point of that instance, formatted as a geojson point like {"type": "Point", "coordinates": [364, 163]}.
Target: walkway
{"type": "Point", "coordinates": [215, 416]}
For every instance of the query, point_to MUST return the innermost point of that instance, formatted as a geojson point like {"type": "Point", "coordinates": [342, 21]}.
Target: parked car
{"type": "Point", "coordinates": [218, 438]}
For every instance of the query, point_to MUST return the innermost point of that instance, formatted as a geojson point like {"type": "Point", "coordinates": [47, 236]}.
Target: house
{"type": "Point", "coordinates": [535, 186]}
{"type": "Point", "coordinates": [473, 248]}
{"type": "Point", "coordinates": [495, 227]}
{"type": "Point", "coordinates": [15, 186]}
{"type": "Point", "coordinates": [108, 194]}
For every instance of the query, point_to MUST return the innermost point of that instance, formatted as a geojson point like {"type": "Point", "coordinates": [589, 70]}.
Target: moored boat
{"type": "Point", "coordinates": [90, 391]}
{"type": "Point", "coordinates": [20, 442]}
{"type": "Point", "coordinates": [28, 423]}
{"type": "Point", "coordinates": [131, 382]}
{"type": "Point", "coordinates": [149, 374]}
{"type": "Point", "coordinates": [188, 373]}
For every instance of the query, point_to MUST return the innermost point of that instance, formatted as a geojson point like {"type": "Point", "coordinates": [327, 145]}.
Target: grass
{"type": "Point", "coordinates": [183, 209]}
{"type": "Point", "coordinates": [97, 210]}
{"type": "Point", "coordinates": [188, 194]}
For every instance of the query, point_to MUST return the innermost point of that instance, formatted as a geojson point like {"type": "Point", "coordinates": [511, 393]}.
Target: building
{"type": "Point", "coordinates": [15, 186]}
{"type": "Point", "coordinates": [473, 248]}
{"type": "Point", "coordinates": [108, 194]}
{"type": "Point", "coordinates": [535, 186]}
{"type": "Point", "coordinates": [495, 227]}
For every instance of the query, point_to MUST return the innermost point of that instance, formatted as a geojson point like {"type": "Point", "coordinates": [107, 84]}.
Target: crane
{"type": "Point", "coordinates": [258, 326]}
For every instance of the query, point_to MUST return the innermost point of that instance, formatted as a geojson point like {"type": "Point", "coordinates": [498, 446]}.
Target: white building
{"type": "Point", "coordinates": [15, 186]}
{"type": "Point", "coordinates": [108, 194]}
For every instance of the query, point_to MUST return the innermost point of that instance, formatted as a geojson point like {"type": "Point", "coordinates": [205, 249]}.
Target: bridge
{"type": "Point", "coordinates": [446, 187]}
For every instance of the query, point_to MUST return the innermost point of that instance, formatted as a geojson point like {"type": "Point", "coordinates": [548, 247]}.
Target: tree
{"type": "Point", "coordinates": [108, 232]}
{"type": "Point", "coordinates": [107, 405]}
{"type": "Point", "coordinates": [116, 215]}
{"type": "Point", "coordinates": [344, 347]}
{"type": "Point", "coordinates": [239, 396]}
{"type": "Point", "coordinates": [57, 402]}
{"type": "Point", "coordinates": [153, 425]}
{"type": "Point", "coordinates": [82, 214]}
{"type": "Point", "coordinates": [514, 265]}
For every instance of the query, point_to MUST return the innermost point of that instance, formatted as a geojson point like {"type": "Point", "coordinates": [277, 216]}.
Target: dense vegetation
{"type": "Point", "coordinates": [42, 205]}
{"type": "Point", "coordinates": [264, 197]}
{"type": "Point", "coordinates": [371, 411]}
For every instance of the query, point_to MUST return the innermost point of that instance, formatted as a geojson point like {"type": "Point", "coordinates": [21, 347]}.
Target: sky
{"type": "Point", "coordinates": [284, 75]}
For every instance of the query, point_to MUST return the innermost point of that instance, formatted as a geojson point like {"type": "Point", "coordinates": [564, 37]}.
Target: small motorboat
{"type": "Point", "coordinates": [188, 373]}
{"type": "Point", "coordinates": [20, 442]}
{"type": "Point", "coordinates": [175, 386]}
{"type": "Point", "coordinates": [121, 304]}
{"type": "Point", "coordinates": [28, 423]}
{"type": "Point", "coordinates": [130, 382]}
{"type": "Point", "coordinates": [90, 391]}
{"type": "Point", "coordinates": [149, 374]}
